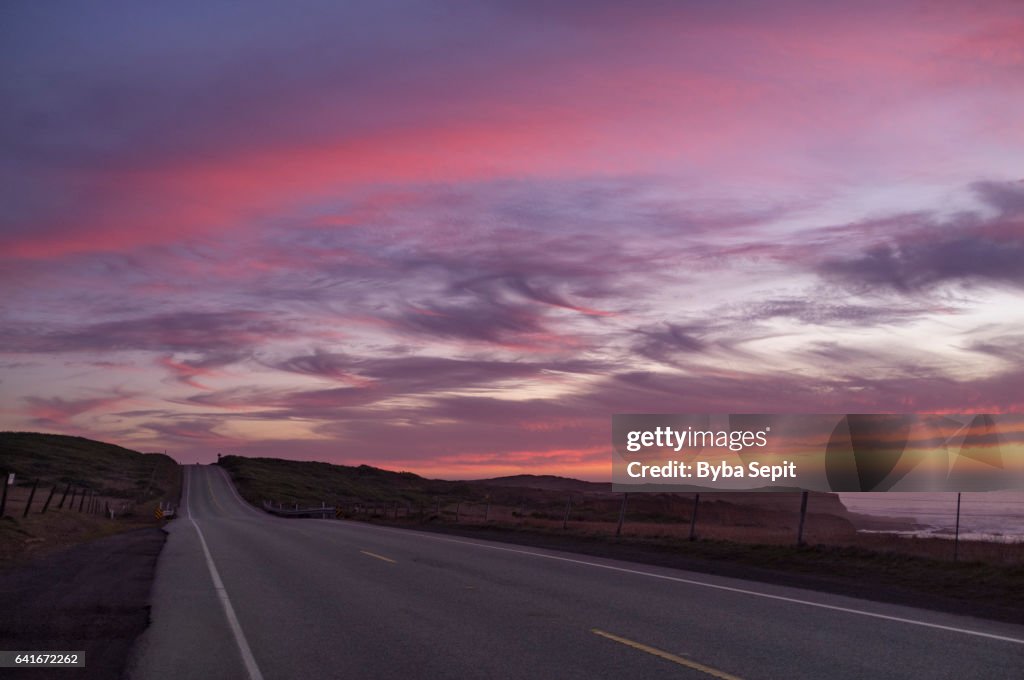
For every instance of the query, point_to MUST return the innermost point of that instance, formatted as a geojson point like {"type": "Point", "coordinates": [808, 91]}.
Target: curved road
{"type": "Point", "coordinates": [240, 594]}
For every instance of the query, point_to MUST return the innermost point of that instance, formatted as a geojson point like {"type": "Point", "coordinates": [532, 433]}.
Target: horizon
{"type": "Point", "coordinates": [455, 240]}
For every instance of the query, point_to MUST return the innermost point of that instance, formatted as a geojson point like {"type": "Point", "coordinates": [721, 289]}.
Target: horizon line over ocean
{"type": "Point", "coordinates": [984, 515]}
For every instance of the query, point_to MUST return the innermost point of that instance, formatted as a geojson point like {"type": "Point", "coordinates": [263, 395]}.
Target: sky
{"type": "Point", "coordinates": [455, 238]}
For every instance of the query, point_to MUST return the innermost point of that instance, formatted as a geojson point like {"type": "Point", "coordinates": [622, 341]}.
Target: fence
{"type": "Point", "coordinates": [29, 498]}
{"type": "Point", "coordinates": [770, 518]}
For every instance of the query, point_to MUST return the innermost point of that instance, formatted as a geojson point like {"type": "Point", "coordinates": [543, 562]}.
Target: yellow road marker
{"type": "Point", "coordinates": [379, 557]}
{"type": "Point", "coordinates": [713, 672]}
{"type": "Point", "coordinates": [209, 487]}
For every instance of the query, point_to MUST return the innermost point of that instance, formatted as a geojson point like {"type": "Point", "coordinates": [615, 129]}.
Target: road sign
{"type": "Point", "coordinates": [159, 513]}
{"type": "Point", "coordinates": [10, 479]}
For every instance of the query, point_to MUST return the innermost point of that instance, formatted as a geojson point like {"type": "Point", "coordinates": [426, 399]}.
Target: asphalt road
{"type": "Point", "coordinates": [282, 598]}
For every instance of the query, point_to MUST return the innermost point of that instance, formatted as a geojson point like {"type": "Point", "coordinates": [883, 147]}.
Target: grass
{"type": "Point", "coordinates": [107, 469]}
{"type": "Point", "coordinates": [310, 483]}
{"type": "Point", "coordinates": [129, 482]}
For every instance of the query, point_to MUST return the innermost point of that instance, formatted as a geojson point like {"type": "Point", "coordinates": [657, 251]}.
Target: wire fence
{"type": "Point", "coordinates": [969, 526]}
{"type": "Point", "coordinates": [26, 498]}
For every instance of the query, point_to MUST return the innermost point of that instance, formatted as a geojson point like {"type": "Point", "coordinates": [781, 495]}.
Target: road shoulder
{"type": "Point", "coordinates": [93, 597]}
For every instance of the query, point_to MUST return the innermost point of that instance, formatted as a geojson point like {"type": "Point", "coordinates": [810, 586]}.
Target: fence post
{"type": "Point", "coordinates": [568, 509]}
{"type": "Point", "coordinates": [49, 498]}
{"type": "Point", "coordinates": [803, 516]}
{"type": "Point", "coordinates": [3, 496]}
{"type": "Point", "coordinates": [457, 507]}
{"type": "Point", "coordinates": [622, 514]}
{"type": "Point", "coordinates": [81, 501]}
{"type": "Point", "coordinates": [956, 534]}
{"type": "Point", "coordinates": [693, 517]}
{"type": "Point", "coordinates": [487, 511]}
{"type": "Point", "coordinates": [31, 495]}
{"type": "Point", "coordinates": [64, 497]}
{"type": "Point", "coordinates": [522, 510]}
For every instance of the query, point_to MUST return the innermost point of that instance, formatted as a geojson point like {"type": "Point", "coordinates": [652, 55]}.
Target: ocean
{"type": "Point", "coordinates": [984, 516]}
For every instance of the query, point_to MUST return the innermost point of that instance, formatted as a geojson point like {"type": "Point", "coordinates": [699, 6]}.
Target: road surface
{"type": "Point", "coordinates": [240, 594]}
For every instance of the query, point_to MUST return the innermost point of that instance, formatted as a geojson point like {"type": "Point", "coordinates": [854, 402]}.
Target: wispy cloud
{"type": "Point", "coordinates": [466, 238]}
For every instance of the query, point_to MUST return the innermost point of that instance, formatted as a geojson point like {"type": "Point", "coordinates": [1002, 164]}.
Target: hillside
{"type": "Point", "coordinates": [548, 483]}
{"type": "Point", "coordinates": [538, 497]}
{"type": "Point", "coordinates": [105, 468]}
{"type": "Point", "coordinates": [311, 482]}
{"type": "Point", "coordinates": [99, 476]}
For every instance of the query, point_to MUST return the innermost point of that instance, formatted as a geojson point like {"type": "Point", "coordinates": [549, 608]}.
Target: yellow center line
{"type": "Point", "coordinates": [714, 672]}
{"type": "Point", "coordinates": [209, 487]}
{"type": "Point", "coordinates": [379, 557]}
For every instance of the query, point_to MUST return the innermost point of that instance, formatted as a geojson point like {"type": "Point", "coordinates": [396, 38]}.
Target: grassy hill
{"type": "Point", "coordinates": [549, 483]}
{"type": "Point", "coordinates": [541, 497]}
{"type": "Point", "coordinates": [130, 482]}
{"type": "Point", "coordinates": [309, 483]}
{"type": "Point", "coordinates": [108, 469]}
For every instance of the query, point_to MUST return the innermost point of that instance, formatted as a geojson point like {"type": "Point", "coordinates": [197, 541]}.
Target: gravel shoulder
{"type": "Point", "coordinates": [92, 597]}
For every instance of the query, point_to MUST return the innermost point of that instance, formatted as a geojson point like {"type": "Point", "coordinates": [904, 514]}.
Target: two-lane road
{"type": "Point", "coordinates": [240, 594]}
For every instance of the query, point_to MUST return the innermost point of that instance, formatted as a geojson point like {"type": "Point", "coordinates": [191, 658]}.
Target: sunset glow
{"type": "Point", "coordinates": [455, 239]}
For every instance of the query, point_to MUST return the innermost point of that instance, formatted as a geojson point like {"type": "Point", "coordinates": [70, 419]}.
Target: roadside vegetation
{"type": "Point", "coordinates": [110, 478]}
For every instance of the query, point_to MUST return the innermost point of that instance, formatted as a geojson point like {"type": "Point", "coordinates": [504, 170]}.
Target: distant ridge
{"type": "Point", "coordinates": [547, 483]}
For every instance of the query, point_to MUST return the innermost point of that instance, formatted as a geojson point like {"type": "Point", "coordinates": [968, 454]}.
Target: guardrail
{"type": "Point", "coordinates": [323, 512]}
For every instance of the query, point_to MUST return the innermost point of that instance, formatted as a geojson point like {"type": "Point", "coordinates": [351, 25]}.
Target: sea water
{"type": "Point", "coordinates": [984, 516]}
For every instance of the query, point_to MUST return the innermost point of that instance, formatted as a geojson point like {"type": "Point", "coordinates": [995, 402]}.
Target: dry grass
{"type": "Point", "coordinates": [820, 529]}
{"type": "Point", "coordinates": [23, 538]}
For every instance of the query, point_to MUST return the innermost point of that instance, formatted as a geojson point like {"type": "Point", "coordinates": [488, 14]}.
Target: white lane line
{"type": "Point", "coordinates": [243, 645]}
{"type": "Point", "coordinates": [702, 584]}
